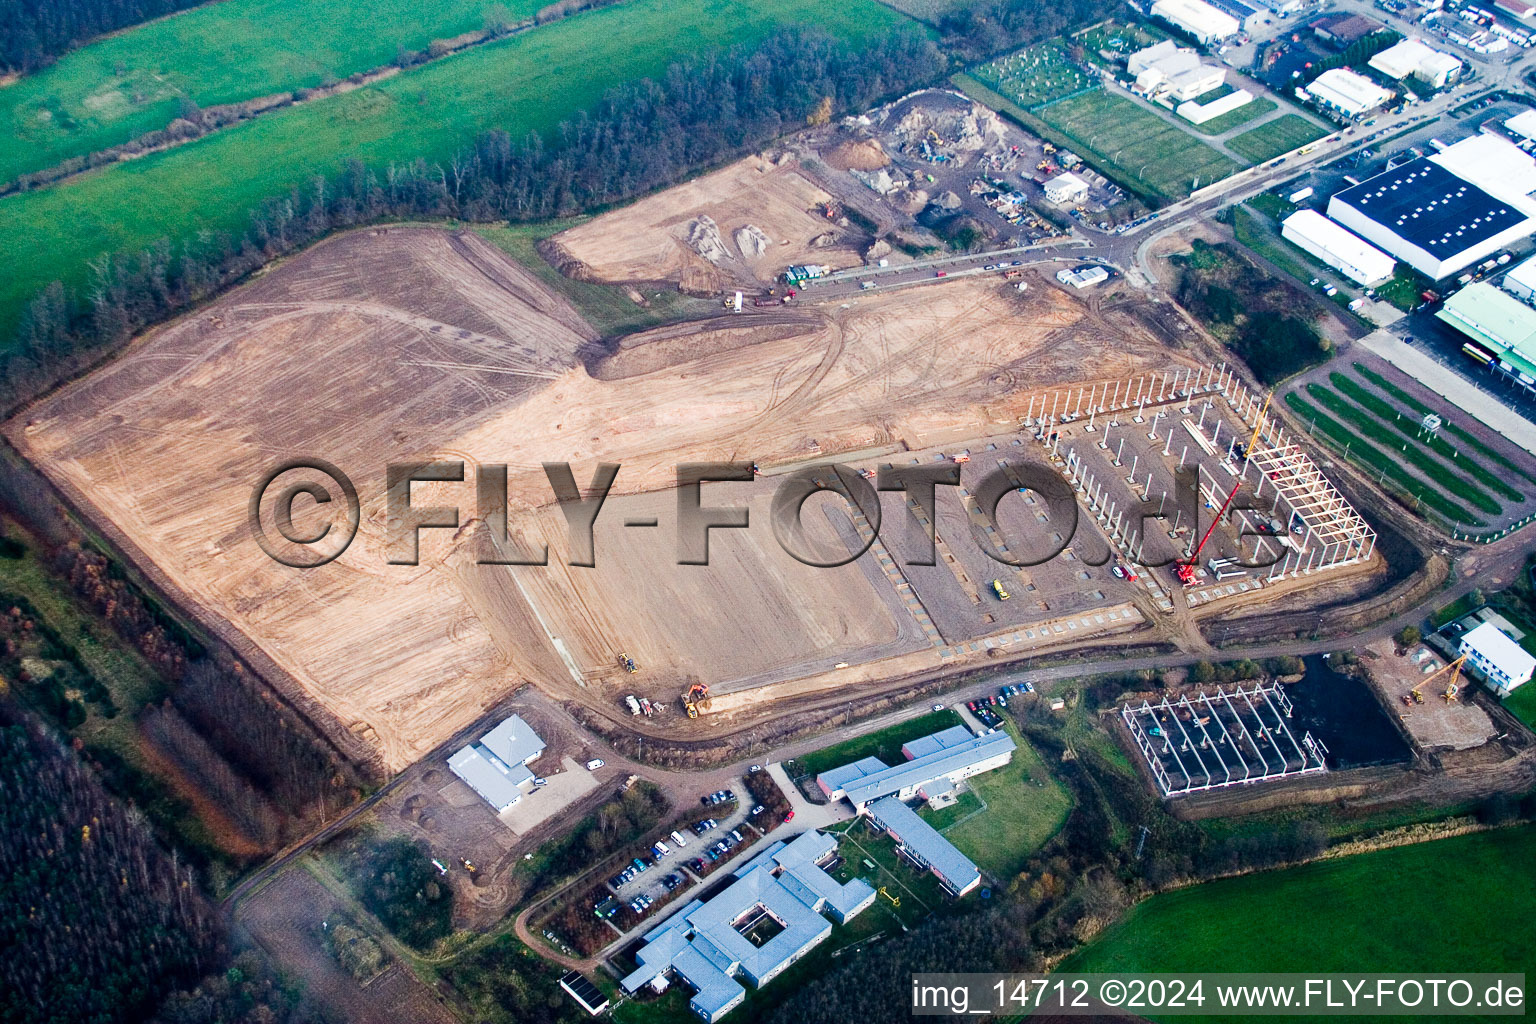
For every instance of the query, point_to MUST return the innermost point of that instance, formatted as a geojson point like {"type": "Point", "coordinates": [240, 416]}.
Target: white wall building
{"type": "Point", "coordinates": [1501, 661]}
{"type": "Point", "coordinates": [1346, 92]}
{"type": "Point", "coordinates": [1199, 113]}
{"type": "Point", "coordinates": [1443, 213]}
{"type": "Point", "coordinates": [1196, 17]}
{"type": "Point", "coordinates": [1066, 188]}
{"type": "Point", "coordinates": [1413, 57]}
{"type": "Point", "coordinates": [1346, 252]}
{"type": "Point", "coordinates": [1521, 281]}
{"type": "Point", "coordinates": [1166, 69]}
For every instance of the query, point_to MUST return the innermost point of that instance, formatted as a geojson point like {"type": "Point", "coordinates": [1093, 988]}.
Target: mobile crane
{"type": "Point", "coordinates": [1187, 569]}
{"type": "Point", "coordinates": [1452, 688]}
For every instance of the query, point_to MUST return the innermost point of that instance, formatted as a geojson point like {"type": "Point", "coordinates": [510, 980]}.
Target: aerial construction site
{"type": "Point", "coordinates": [457, 351]}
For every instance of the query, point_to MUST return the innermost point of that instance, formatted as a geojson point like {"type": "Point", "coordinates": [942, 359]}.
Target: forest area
{"type": "Point", "coordinates": [33, 33]}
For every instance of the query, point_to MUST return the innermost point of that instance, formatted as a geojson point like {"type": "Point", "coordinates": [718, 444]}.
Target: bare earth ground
{"type": "Point", "coordinates": [647, 241]}
{"type": "Point", "coordinates": [409, 344]}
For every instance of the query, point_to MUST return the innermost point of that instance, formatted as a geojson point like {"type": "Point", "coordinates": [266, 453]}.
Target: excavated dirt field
{"type": "Point", "coordinates": [650, 240]}
{"type": "Point", "coordinates": [409, 344]}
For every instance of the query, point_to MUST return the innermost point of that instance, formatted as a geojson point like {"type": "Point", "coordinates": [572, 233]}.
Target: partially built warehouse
{"type": "Point", "coordinates": [1236, 737]}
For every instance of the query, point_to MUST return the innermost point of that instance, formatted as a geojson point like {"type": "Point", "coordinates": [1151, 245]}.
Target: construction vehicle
{"type": "Point", "coordinates": [1187, 570]}
{"type": "Point", "coordinates": [469, 866]}
{"type": "Point", "coordinates": [627, 663]}
{"type": "Point", "coordinates": [696, 695]}
{"type": "Point", "coordinates": [634, 704]}
{"type": "Point", "coordinates": [997, 588]}
{"type": "Point", "coordinates": [645, 707]}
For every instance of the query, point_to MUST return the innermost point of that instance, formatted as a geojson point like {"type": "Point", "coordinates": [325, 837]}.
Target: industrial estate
{"type": "Point", "coordinates": [655, 511]}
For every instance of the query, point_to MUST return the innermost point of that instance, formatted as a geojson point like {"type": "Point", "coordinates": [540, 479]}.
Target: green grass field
{"type": "Point", "coordinates": [124, 85]}
{"type": "Point", "coordinates": [1416, 453]}
{"type": "Point", "coordinates": [1409, 402]}
{"type": "Point", "coordinates": [1408, 426]}
{"type": "Point", "coordinates": [1469, 899]}
{"type": "Point", "coordinates": [1522, 704]}
{"type": "Point", "coordinates": [884, 744]}
{"type": "Point", "coordinates": [1232, 118]}
{"type": "Point", "coordinates": [1025, 807]}
{"type": "Point", "coordinates": [1136, 146]}
{"type": "Point", "coordinates": [1377, 463]}
{"type": "Point", "coordinates": [1272, 138]}
{"type": "Point", "coordinates": [528, 82]}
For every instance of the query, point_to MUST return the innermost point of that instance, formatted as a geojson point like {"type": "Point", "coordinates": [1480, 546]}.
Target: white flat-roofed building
{"type": "Point", "coordinates": [1199, 113]}
{"type": "Point", "coordinates": [1066, 188]}
{"type": "Point", "coordinates": [1521, 281]}
{"type": "Point", "coordinates": [1338, 247]}
{"type": "Point", "coordinates": [1414, 57]}
{"type": "Point", "coordinates": [1502, 662]}
{"type": "Point", "coordinates": [1346, 92]}
{"type": "Point", "coordinates": [1199, 19]}
{"type": "Point", "coordinates": [1523, 124]}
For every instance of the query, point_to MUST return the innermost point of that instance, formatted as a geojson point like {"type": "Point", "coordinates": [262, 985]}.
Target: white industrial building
{"type": "Point", "coordinates": [1498, 659]}
{"type": "Point", "coordinates": [1523, 124]}
{"type": "Point", "coordinates": [1199, 19]}
{"type": "Point", "coordinates": [1346, 252]}
{"type": "Point", "coordinates": [497, 766]}
{"type": "Point", "coordinates": [1166, 69]}
{"type": "Point", "coordinates": [1066, 188]}
{"type": "Point", "coordinates": [1442, 213]}
{"type": "Point", "coordinates": [1199, 113]}
{"type": "Point", "coordinates": [952, 754]}
{"type": "Point", "coordinates": [1413, 57]}
{"type": "Point", "coordinates": [1521, 281]}
{"type": "Point", "coordinates": [1082, 277]}
{"type": "Point", "coordinates": [1346, 92]}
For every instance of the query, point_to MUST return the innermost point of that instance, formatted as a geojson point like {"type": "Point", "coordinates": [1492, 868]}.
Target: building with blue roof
{"type": "Point", "coordinates": [754, 929]}
{"type": "Point", "coordinates": [497, 766]}
{"type": "Point", "coordinates": [922, 844]}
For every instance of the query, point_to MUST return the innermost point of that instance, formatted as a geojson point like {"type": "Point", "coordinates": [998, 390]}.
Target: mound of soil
{"type": "Point", "coordinates": [867, 155]}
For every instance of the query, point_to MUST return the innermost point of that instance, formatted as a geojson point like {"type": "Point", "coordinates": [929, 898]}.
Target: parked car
{"type": "Point", "coordinates": [938, 707]}
{"type": "Point", "coordinates": [594, 764]}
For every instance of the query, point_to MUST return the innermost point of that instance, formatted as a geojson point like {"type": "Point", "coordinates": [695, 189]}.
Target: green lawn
{"type": "Point", "coordinates": [527, 82]}
{"type": "Point", "coordinates": [1025, 807]}
{"type": "Point", "coordinates": [942, 818]}
{"type": "Point", "coordinates": [606, 307]}
{"type": "Point", "coordinates": [1231, 119]}
{"type": "Point", "coordinates": [126, 84]}
{"type": "Point", "coordinates": [1469, 898]}
{"type": "Point", "coordinates": [1134, 145]}
{"type": "Point", "coordinates": [1272, 138]}
{"type": "Point", "coordinates": [885, 744]}
{"type": "Point", "coordinates": [1522, 704]}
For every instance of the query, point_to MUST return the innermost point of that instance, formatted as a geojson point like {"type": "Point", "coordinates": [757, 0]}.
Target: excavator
{"type": "Point", "coordinates": [1187, 570]}
{"type": "Point", "coordinates": [696, 695]}
{"type": "Point", "coordinates": [1452, 688]}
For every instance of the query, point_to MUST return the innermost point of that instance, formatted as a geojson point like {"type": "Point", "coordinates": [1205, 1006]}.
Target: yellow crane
{"type": "Point", "coordinates": [1452, 688]}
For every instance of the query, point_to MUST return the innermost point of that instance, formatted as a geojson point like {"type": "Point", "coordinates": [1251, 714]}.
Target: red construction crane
{"type": "Point", "coordinates": [1186, 569]}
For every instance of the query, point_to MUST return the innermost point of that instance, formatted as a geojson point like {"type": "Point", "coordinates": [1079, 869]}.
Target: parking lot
{"type": "Point", "coordinates": [664, 871]}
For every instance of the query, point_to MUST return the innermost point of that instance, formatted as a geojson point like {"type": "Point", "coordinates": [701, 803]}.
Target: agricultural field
{"type": "Point", "coordinates": [1443, 473]}
{"type": "Point", "coordinates": [1401, 909]}
{"type": "Point", "coordinates": [525, 83]}
{"type": "Point", "coordinates": [129, 83]}
{"type": "Point", "coordinates": [1272, 138]}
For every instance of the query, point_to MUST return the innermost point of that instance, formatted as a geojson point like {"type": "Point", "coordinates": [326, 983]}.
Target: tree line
{"type": "Point", "coordinates": [97, 919]}
{"type": "Point", "coordinates": [641, 136]}
{"type": "Point", "coordinates": [35, 33]}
